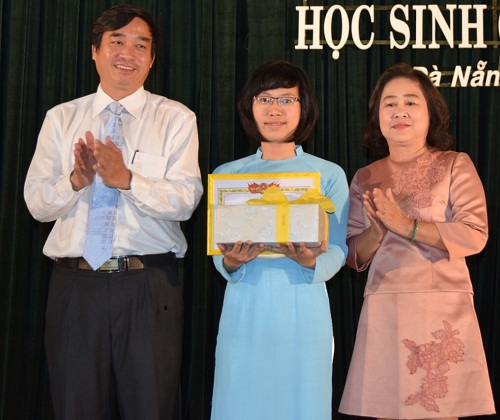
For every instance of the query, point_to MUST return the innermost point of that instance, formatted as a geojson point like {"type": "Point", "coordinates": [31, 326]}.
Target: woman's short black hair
{"type": "Point", "coordinates": [274, 75]}
{"type": "Point", "coordinates": [438, 136]}
{"type": "Point", "coordinates": [119, 16]}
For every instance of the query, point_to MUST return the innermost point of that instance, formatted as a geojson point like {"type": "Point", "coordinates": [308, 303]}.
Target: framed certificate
{"type": "Point", "coordinates": [237, 189]}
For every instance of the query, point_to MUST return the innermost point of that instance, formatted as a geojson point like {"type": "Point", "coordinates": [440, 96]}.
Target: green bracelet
{"type": "Point", "coordinates": [415, 230]}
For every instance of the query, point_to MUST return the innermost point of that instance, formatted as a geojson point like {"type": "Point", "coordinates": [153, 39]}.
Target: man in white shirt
{"type": "Point", "coordinates": [114, 333]}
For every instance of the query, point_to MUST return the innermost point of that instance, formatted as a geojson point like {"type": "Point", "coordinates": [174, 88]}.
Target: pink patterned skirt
{"type": "Point", "coordinates": [418, 355]}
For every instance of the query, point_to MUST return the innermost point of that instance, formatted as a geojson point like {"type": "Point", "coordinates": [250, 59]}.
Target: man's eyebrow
{"type": "Point", "coordinates": [121, 35]}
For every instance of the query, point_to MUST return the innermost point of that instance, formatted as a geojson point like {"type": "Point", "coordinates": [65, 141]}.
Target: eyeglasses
{"type": "Point", "coordinates": [268, 100]}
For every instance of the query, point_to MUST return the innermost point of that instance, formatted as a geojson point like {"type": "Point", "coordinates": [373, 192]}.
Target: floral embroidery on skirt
{"type": "Point", "coordinates": [434, 358]}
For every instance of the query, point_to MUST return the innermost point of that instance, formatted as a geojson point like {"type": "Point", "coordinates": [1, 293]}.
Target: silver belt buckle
{"type": "Point", "coordinates": [115, 265]}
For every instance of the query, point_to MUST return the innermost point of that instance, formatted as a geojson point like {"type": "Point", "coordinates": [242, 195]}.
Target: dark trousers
{"type": "Point", "coordinates": [113, 343]}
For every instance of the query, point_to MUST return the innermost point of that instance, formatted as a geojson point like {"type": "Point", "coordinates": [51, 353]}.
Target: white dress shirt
{"type": "Point", "coordinates": [161, 150]}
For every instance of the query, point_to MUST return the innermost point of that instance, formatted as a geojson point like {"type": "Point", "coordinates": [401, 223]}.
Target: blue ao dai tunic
{"type": "Point", "coordinates": [275, 341]}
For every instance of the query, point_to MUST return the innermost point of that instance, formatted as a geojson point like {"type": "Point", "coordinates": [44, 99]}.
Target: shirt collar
{"type": "Point", "coordinates": [134, 103]}
{"type": "Point", "coordinates": [298, 151]}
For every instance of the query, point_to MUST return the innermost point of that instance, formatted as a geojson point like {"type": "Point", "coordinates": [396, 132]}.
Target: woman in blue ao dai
{"type": "Point", "coordinates": [275, 341]}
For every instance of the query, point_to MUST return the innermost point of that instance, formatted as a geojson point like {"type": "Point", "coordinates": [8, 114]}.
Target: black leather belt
{"type": "Point", "coordinates": [119, 264]}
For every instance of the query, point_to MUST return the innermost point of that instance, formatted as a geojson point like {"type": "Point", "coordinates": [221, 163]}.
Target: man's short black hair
{"type": "Point", "coordinates": [119, 16]}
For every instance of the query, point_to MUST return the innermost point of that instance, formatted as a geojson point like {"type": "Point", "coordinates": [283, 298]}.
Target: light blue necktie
{"type": "Point", "coordinates": [102, 213]}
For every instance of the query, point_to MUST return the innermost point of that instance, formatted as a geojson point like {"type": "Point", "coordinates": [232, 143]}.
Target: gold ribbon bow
{"type": "Point", "coordinates": [274, 196]}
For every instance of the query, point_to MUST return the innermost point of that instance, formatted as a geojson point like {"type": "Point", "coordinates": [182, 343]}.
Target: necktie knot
{"type": "Point", "coordinates": [114, 127]}
{"type": "Point", "coordinates": [116, 108]}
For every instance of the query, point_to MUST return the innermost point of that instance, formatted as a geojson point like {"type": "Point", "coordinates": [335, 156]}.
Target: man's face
{"type": "Point", "coordinates": [124, 58]}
